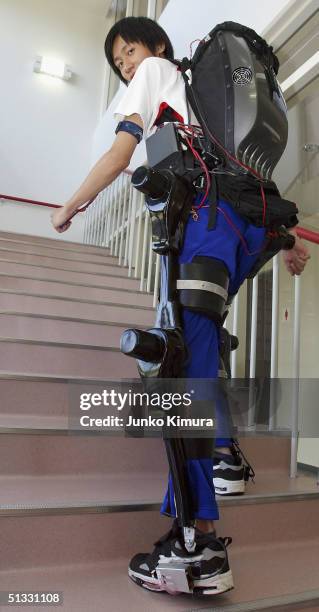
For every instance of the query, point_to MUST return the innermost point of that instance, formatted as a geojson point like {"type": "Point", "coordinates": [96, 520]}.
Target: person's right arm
{"type": "Point", "coordinates": [105, 171]}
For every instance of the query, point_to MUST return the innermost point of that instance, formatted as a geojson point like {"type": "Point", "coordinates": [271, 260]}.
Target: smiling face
{"type": "Point", "coordinates": [128, 56]}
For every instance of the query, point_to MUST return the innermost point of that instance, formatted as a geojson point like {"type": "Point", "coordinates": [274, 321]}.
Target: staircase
{"type": "Point", "coordinates": [75, 508]}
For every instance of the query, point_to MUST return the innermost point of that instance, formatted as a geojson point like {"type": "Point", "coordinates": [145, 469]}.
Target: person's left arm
{"type": "Point", "coordinates": [105, 171]}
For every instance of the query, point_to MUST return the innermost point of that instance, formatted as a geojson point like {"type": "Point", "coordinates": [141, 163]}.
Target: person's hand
{"type": "Point", "coordinates": [60, 220]}
{"type": "Point", "coordinates": [295, 259]}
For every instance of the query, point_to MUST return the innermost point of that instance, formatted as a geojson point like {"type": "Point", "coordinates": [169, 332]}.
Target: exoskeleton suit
{"type": "Point", "coordinates": [216, 219]}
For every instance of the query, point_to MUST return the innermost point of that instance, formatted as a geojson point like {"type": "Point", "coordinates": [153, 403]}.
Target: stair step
{"type": "Point", "coordinates": [143, 491]}
{"type": "Point", "coordinates": [57, 455]}
{"type": "Point", "coordinates": [62, 264]}
{"type": "Point", "coordinates": [47, 288]}
{"type": "Point", "coordinates": [102, 280]}
{"type": "Point", "coordinates": [78, 491]}
{"type": "Point", "coordinates": [56, 243]}
{"type": "Point", "coordinates": [46, 329]}
{"type": "Point", "coordinates": [106, 586]}
{"type": "Point", "coordinates": [67, 307]}
{"type": "Point", "coordinates": [107, 538]}
{"type": "Point", "coordinates": [17, 246]}
{"type": "Point", "coordinates": [65, 360]}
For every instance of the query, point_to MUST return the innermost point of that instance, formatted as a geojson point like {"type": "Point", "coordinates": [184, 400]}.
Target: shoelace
{"type": "Point", "coordinates": [249, 472]}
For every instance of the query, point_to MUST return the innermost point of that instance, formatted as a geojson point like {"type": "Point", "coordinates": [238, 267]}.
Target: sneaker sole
{"type": "Point", "coordinates": [226, 487]}
{"type": "Point", "coordinates": [214, 585]}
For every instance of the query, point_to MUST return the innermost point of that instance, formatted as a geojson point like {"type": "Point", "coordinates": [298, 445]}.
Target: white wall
{"type": "Point", "coordinates": [46, 125]}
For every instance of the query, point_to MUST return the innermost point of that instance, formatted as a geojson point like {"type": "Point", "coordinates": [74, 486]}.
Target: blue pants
{"type": "Point", "coordinates": [237, 244]}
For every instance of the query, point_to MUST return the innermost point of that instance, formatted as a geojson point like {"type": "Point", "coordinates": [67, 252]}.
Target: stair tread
{"type": "Point", "coordinates": [88, 489]}
{"type": "Point", "coordinates": [56, 242]}
{"type": "Point", "coordinates": [92, 490]}
{"type": "Point", "coordinates": [65, 298]}
{"type": "Point", "coordinates": [81, 277]}
{"type": "Point", "coordinates": [277, 575]}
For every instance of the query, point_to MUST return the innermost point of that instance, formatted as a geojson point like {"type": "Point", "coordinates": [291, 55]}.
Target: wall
{"type": "Point", "coordinates": [46, 124]}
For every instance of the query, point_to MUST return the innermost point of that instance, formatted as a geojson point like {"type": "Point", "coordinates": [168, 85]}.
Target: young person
{"type": "Point", "coordinates": [139, 52]}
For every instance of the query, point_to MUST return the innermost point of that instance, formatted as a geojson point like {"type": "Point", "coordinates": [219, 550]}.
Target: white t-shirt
{"type": "Point", "coordinates": [157, 81]}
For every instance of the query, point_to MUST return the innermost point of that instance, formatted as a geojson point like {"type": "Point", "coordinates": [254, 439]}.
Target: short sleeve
{"type": "Point", "coordinates": [142, 94]}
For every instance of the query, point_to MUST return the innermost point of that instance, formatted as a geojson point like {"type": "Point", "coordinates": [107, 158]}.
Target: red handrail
{"type": "Point", "coordinates": [13, 199]}
{"type": "Point", "coordinates": [301, 231]}
{"type": "Point", "coordinates": [308, 235]}
{"type": "Point", "coordinates": [39, 203]}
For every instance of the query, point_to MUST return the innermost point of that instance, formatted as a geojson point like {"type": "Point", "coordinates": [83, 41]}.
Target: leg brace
{"type": "Point", "coordinates": [200, 286]}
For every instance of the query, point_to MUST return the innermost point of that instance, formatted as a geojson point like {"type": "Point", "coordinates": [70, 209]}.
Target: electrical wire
{"type": "Point", "coordinates": [232, 158]}
{"type": "Point", "coordinates": [208, 185]}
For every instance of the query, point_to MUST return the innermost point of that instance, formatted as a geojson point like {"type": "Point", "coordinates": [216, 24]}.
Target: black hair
{"type": "Point", "coordinates": [137, 30]}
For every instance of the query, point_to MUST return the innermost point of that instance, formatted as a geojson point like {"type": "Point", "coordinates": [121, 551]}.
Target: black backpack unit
{"type": "Point", "coordinates": [232, 88]}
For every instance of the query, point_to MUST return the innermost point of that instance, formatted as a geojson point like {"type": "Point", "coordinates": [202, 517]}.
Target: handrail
{"type": "Point", "coordinates": [308, 235]}
{"type": "Point", "coordinates": [24, 200]}
{"type": "Point", "coordinates": [38, 203]}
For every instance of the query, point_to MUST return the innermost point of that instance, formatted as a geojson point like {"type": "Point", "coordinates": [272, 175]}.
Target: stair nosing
{"type": "Point", "coordinates": [5, 375]}
{"type": "Point", "coordinates": [74, 284]}
{"type": "Point", "coordinates": [52, 343]}
{"type": "Point", "coordinates": [124, 506]}
{"type": "Point", "coordinates": [267, 498]}
{"type": "Point", "coordinates": [69, 319]}
{"type": "Point", "coordinates": [33, 431]}
{"type": "Point", "coordinates": [71, 299]}
{"type": "Point", "coordinates": [85, 508]}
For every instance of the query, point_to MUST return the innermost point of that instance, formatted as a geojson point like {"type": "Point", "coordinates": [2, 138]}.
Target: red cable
{"type": "Point", "coordinates": [256, 174]}
{"type": "Point", "coordinates": [229, 221]}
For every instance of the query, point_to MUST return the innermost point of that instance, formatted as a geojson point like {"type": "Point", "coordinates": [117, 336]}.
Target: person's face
{"type": "Point", "coordinates": [128, 56]}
